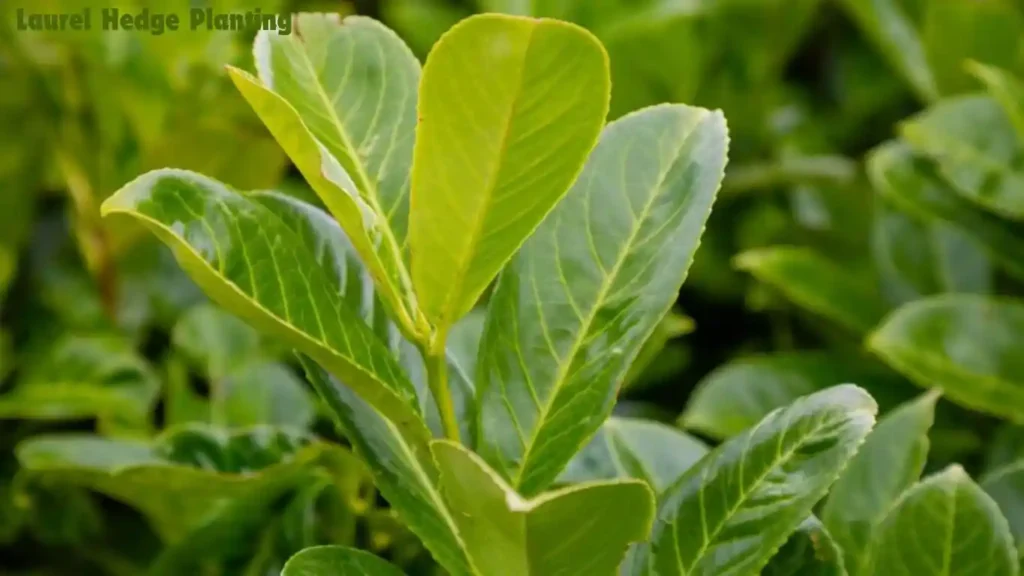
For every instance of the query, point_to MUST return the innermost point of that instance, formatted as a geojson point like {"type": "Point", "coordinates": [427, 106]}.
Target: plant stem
{"type": "Point", "coordinates": [437, 380]}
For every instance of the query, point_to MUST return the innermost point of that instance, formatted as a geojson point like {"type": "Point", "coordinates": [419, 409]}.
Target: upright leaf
{"type": "Point", "coordinates": [1006, 486]}
{"type": "Point", "coordinates": [340, 98]}
{"type": "Point", "coordinates": [912, 184]}
{"type": "Point", "coordinates": [944, 526]}
{"type": "Point", "coordinates": [1007, 89]}
{"type": "Point", "coordinates": [572, 310]}
{"type": "Point", "coordinates": [955, 32]}
{"type": "Point", "coordinates": [817, 284]}
{"type": "Point", "coordinates": [506, 534]}
{"type": "Point", "coordinates": [890, 461]}
{"type": "Point", "coordinates": [973, 142]}
{"type": "Point", "coordinates": [254, 265]}
{"type": "Point", "coordinates": [971, 347]}
{"type": "Point", "coordinates": [741, 502]}
{"type": "Point", "coordinates": [634, 448]}
{"type": "Point", "coordinates": [509, 109]}
{"type": "Point", "coordinates": [337, 561]}
{"type": "Point", "coordinates": [888, 27]}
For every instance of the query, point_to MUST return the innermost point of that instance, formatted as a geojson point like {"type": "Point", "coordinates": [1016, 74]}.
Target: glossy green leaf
{"type": "Point", "coordinates": [887, 25]}
{"type": "Point", "coordinates": [81, 377]}
{"type": "Point", "coordinates": [810, 551]}
{"type": "Point", "coordinates": [741, 502]}
{"type": "Point", "coordinates": [507, 534]}
{"type": "Point", "coordinates": [817, 284]}
{"type": "Point", "coordinates": [971, 347]}
{"type": "Point", "coordinates": [180, 479]}
{"type": "Point", "coordinates": [1006, 486]}
{"type": "Point", "coordinates": [571, 312]}
{"type": "Point", "coordinates": [509, 109]}
{"type": "Point", "coordinates": [739, 393]}
{"type": "Point", "coordinates": [945, 525]}
{"type": "Point", "coordinates": [338, 561]}
{"type": "Point", "coordinates": [1007, 89]}
{"type": "Point", "coordinates": [913, 185]}
{"type": "Point", "coordinates": [890, 461]}
{"type": "Point", "coordinates": [408, 483]}
{"type": "Point", "coordinates": [634, 448]}
{"type": "Point", "coordinates": [340, 98]}
{"type": "Point", "coordinates": [955, 32]}
{"type": "Point", "coordinates": [255, 265]}
{"type": "Point", "coordinates": [916, 257]}
{"type": "Point", "coordinates": [975, 146]}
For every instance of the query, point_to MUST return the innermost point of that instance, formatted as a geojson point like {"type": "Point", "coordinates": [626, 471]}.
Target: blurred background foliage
{"type": "Point", "coordinates": [876, 176]}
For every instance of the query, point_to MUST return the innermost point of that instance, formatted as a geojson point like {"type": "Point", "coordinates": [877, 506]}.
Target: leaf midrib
{"type": "Point", "coordinates": [782, 457]}
{"type": "Point", "coordinates": [476, 229]}
{"type": "Point", "coordinates": [610, 277]}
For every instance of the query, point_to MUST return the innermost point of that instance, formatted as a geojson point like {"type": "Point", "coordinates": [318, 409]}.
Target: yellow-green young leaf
{"type": "Point", "coordinates": [944, 526]}
{"type": "Point", "coordinates": [340, 98]}
{"type": "Point", "coordinates": [911, 184]}
{"type": "Point", "coordinates": [974, 144]}
{"type": "Point", "coordinates": [953, 32]}
{"type": "Point", "coordinates": [890, 461]}
{"type": "Point", "coordinates": [970, 347]}
{"type": "Point", "coordinates": [409, 484]}
{"type": "Point", "coordinates": [810, 551]}
{"type": "Point", "coordinates": [888, 27]}
{"type": "Point", "coordinates": [1007, 89]}
{"type": "Point", "coordinates": [251, 262]}
{"type": "Point", "coordinates": [730, 512]}
{"type": "Point", "coordinates": [573, 308]}
{"type": "Point", "coordinates": [338, 561]}
{"type": "Point", "coordinates": [178, 480]}
{"type": "Point", "coordinates": [738, 394]}
{"type": "Point", "coordinates": [509, 109]}
{"type": "Point", "coordinates": [633, 448]}
{"type": "Point", "coordinates": [817, 284]}
{"type": "Point", "coordinates": [1006, 486]}
{"type": "Point", "coordinates": [507, 534]}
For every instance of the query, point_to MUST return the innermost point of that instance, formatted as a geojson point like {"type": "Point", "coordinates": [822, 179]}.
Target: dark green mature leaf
{"type": "Point", "coordinates": [887, 26]}
{"type": "Point", "coordinates": [179, 480]}
{"type": "Point", "coordinates": [912, 184]}
{"type": "Point", "coordinates": [572, 310]}
{"type": "Point", "coordinates": [1007, 89]}
{"type": "Point", "coordinates": [85, 376]}
{"type": "Point", "coordinates": [1006, 486]}
{"type": "Point", "coordinates": [945, 525]}
{"type": "Point", "coordinates": [741, 502]}
{"type": "Point", "coordinates": [1006, 446]}
{"type": "Point", "coordinates": [955, 32]}
{"type": "Point", "coordinates": [890, 461]}
{"type": "Point", "coordinates": [634, 448]}
{"type": "Point", "coordinates": [255, 265]}
{"type": "Point", "coordinates": [971, 347]}
{"type": "Point", "coordinates": [810, 551]}
{"type": "Point", "coordinates": [738, 394]}
{"type": "Point", "coordinates": [311, 93]}
{"type": "Point", "coordinates": [338, 561]}
{"type": "Point", "coordinates": [974, 143]}
{"type": "Point", "coordinates": [917, 258]}
{"type": "Point", "coordinates": [509, 109]}
{"type": "Point", "coordinates": [506, 534]}
{"type": "Point", "coordinates": [409, 484]}
{"type": "Point", "coordinates": [817, 284]}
